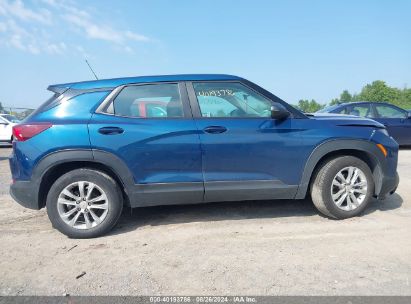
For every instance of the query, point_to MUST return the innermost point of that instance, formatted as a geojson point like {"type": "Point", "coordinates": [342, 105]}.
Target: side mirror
{"type": "Point", "coordinates": [409, 115]}
{"type": "Point", "coordinates": [278, 111]}
{"type": "Point", "coordinates": [4, 123]}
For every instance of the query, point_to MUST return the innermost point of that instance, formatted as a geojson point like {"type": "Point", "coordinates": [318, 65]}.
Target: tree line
{"type": "Point", "coordinates": [377, 91]}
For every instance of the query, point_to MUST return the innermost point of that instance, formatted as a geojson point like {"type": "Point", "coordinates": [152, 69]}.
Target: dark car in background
{"type": "Point", "coordinates": [396, 120]}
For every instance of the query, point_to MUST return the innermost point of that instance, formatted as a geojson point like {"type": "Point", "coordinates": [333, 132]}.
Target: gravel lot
{"type": "Point", "coordinates": [252, 248]}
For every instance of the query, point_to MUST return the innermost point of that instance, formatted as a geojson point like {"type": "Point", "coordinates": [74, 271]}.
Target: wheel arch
{"type": "Point", "coordinates": [54, 165]}
{"type": "Point", "coordinates": [365, 150]}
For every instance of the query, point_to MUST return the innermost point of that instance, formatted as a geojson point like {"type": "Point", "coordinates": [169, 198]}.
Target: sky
{"type": "Point", "coordinates": [312, 49]}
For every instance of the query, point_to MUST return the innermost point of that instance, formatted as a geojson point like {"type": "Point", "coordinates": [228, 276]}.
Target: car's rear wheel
{"type": "Point", "coordinates": [342, 187]}
{"type": "Point", "coordinates": [84, 203]}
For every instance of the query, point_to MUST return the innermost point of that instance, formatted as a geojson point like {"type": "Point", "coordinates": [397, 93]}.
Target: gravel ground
{"type": "Point", "coordinates": [247, 248]}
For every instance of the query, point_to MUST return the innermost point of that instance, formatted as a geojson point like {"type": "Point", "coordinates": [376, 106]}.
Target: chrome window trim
{"type": "Point", "coordinates": [105, 104]}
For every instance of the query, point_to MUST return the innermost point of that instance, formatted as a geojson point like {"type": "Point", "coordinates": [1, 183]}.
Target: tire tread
{"type": "Point", "coordinates": [113, 191]}
{"type": "Point", "coordinates": [322, 201]}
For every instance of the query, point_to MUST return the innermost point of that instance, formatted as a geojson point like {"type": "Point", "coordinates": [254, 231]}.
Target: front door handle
{"type": "Point", "coordinates": [110, 130]}
{"type": "Point", "coordinates": [215, 129]}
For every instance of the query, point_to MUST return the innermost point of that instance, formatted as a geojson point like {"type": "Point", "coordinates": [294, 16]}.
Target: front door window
{"type": "Point", "coordinates": [228, 99]}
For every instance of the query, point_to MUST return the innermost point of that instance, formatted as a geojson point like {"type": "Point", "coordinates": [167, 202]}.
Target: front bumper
{"type": "Point", "coordinates": [25, 193]}
{"type": "Point", "coordinates": [388, 186]}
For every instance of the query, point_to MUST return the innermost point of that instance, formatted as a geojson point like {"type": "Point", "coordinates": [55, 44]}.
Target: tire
{"type": "Point", "coordinates": [102, 207]}
{"type": "Point", "coordinates": [326, 183]}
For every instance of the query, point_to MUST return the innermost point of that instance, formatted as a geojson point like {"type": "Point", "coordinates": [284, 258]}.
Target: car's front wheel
{"type": "Point", "coordinates": [342, 187]}
{"type": "Point", "coordinates": [84, 203]}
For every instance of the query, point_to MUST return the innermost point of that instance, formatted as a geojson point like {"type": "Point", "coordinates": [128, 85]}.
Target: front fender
{"type": "Point", "coordinates": [375, 160]}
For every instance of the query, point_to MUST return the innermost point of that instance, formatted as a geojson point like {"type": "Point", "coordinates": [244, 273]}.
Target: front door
{"type": "Point", "coordinates": [246, 154]}
{"type": "Point", "coordinates": [397, 122]}
{"type": "Point", "coordinates": [150, 128]}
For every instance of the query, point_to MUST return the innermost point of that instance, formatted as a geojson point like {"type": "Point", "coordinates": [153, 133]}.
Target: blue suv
{"type": "Point", "coordinates": [96, 146]}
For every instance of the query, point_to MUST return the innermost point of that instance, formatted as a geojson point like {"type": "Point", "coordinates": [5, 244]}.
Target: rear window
{"type": "Point", "coordinates": [53, 101]}
{"type": "Point", "coordinates": [328, 109]}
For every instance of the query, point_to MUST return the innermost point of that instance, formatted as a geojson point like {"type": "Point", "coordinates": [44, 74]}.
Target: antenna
{"type": "Point", "coordinates": [91, 69]}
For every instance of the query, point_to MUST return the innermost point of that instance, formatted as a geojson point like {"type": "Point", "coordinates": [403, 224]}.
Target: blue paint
{"type": "Point", "coordinates": [178, 150]}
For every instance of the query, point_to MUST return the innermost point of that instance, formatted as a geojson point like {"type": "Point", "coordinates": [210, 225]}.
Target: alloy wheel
{"type": "Point", "coordinates": [82, 205]}
{"type": "Point", "coordinates": [349, 188]}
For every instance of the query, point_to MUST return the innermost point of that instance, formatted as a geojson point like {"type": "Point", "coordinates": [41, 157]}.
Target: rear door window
{"type": "Point", "coordinates": [386, 111]}
{"type": "Point", "coordinates": [149, 101]}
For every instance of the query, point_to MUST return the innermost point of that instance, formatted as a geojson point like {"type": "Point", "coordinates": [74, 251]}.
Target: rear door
{"type": "Point", "coordinates": [396, 120]}
{"type": "Point", "coordinates": [150, 128]}
{"type": "Point", "coordinates": [246, 154]}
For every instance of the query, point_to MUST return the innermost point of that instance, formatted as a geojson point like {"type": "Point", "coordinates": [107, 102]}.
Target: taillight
{"type": "Point", "coordinates": [23, 132]}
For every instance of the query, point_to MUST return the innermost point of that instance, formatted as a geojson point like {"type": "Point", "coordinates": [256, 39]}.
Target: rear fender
{"type": "Point", "coordinates": [106, 159]}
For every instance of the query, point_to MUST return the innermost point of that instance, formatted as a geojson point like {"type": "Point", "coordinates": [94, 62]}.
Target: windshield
{"type": "Point", "coordinates": [11, 118]}
{"type": "Point", "coordinates": [328, 109]}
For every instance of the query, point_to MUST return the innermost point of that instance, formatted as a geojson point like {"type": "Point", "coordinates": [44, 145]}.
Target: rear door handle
{"type": "Point", "coordinates": [110, 130]}
{"type": "Point", "coordinates": [215, 129]}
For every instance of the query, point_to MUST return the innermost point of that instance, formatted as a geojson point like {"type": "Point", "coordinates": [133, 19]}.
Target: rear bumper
{"type": "Point", "coordinates": [388, 186]}
{"type": "Point", "coordinates": [25, 193]}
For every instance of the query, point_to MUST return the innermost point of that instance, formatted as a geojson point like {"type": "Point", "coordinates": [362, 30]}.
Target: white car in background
{"type": "Point", "coordinates": [7, 122]}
